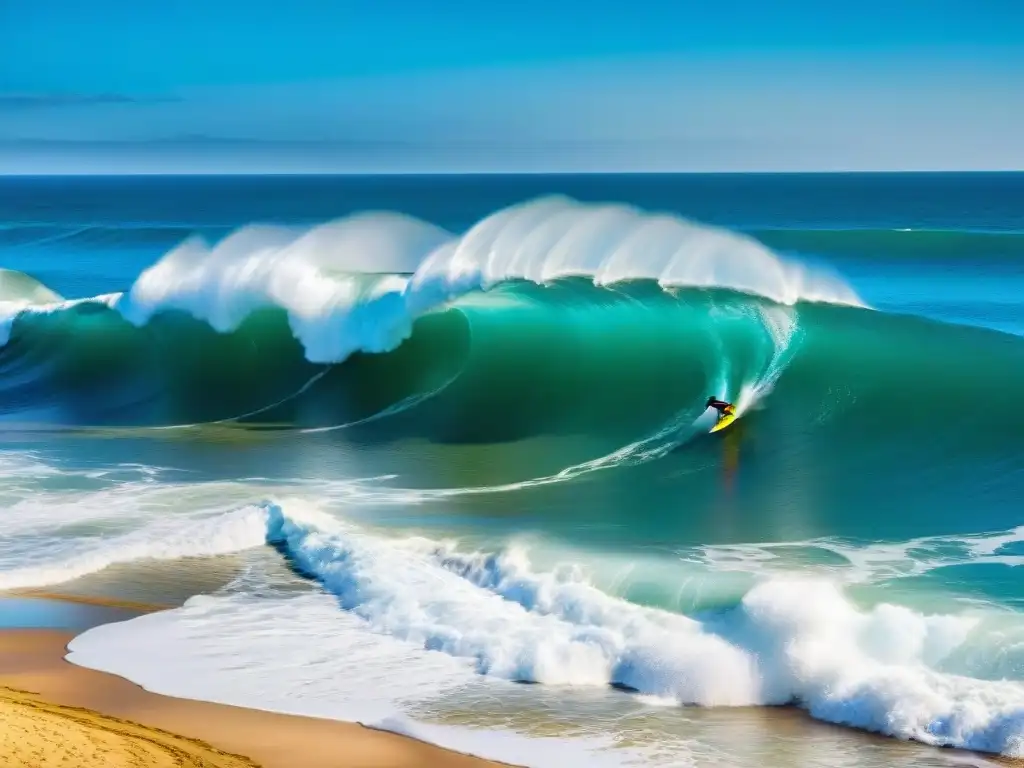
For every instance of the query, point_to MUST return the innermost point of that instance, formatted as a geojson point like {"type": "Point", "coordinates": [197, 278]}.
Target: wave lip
{"type": "Point", "coordinates": [557, 237]}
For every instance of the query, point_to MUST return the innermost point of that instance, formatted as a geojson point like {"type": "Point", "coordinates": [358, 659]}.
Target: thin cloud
{"type": "Point", "coordinates": [49, 100]}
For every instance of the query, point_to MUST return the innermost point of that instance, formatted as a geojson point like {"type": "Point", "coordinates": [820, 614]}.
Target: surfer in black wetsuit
{"type": "Point", "coordinates": [723, 408]}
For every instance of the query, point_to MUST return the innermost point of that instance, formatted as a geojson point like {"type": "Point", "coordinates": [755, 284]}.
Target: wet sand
{"type": "Point", "coordinates": [53, 713]}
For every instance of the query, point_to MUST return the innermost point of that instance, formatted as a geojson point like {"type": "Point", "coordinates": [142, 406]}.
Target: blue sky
{"type": "Point", "coordinates": [386, 86]}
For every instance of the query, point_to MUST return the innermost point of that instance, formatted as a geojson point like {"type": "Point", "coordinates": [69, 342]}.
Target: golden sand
{"type": "Point", "coordinates": [53, 713]}
{"type": "Point", "coordinates": [34, 732]}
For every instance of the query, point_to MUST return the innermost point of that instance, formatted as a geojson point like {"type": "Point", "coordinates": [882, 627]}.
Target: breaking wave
{"type": "Point", "coordinates": [429, 305]}
{"type": "Point", "coordinates": [801, 641]}
{"type": "Point", "coordinates": [359, 283]}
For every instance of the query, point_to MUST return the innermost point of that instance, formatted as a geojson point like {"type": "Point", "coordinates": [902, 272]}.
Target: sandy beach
{"type": "Point", "coordinates": [53, 713]}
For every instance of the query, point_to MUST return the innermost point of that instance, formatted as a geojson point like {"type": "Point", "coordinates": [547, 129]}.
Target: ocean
{"type": "Point", "coordinates": [431, 454]}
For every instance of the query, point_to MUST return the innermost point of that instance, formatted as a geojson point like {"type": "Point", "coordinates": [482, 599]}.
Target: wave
{"type": "Point", "coordinates": [548, 319]}
{"type": "Point", "coordinates": [359, 287]}
{"type": "Point", "coordinates": [632, 363]}
{"type": "Point", "coordinates": [323, 277]}
{"type": "Point", "coordinates": [786, 640]}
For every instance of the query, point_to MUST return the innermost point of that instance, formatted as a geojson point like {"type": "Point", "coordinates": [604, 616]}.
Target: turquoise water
{"type": "Point", "coordinates": [456, 424]}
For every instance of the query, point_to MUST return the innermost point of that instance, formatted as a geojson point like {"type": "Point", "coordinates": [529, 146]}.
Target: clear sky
{"type": "Point", "coordinates": [532, 85]}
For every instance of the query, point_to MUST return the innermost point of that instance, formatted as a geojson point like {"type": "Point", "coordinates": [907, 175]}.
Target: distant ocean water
{"type": "Point", "coordinates": [401, 444]}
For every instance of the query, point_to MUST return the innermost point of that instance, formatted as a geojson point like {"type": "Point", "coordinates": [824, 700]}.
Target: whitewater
{"type": "Point", "coordinates": [445, 615]}
{"type": "Point", "coordinates": [449, 474]}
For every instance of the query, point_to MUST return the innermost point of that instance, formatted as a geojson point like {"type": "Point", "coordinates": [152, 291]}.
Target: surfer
{"type": "Point", "coordinates": [723, 408]}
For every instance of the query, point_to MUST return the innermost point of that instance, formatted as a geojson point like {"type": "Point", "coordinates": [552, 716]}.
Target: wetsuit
{"type": "Point", "coordinates": [721, 406]}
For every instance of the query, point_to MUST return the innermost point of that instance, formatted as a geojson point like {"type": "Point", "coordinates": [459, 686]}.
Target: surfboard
{"type": "Point", "coordinates": [725, 421]}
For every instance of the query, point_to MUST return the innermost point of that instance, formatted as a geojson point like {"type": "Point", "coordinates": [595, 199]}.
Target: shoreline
{"type": "Point", "coordinates": [52, 709]}
{"type": "Point", "coordinates": [40, 687]}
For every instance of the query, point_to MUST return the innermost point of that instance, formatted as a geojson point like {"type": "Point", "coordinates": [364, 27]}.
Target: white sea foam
{"type": "Point", "coordinates": [447, 613]}
{"type": "Point", "coordinates": [339, 283]}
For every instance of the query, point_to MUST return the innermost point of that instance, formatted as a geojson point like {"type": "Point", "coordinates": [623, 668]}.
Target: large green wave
{"type": "Point", "coordinates": [586, 400]}
{"type": "Point", "coordinates": [519, 360]}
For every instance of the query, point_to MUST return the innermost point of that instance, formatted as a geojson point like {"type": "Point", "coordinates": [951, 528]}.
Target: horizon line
{"type": "Point", "coordinates": [355, 174]}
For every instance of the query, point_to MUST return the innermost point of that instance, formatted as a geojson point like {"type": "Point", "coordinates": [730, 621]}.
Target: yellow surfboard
{"type": "Point", "coordinates": [727, 418]}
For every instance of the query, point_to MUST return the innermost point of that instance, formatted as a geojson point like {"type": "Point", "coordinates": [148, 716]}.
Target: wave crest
{"type": "Point", "coordinates": [358, 284]}
{"type": "Point", "coordinates": [557, 237]}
